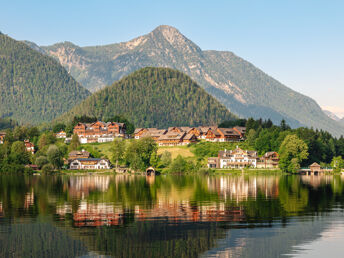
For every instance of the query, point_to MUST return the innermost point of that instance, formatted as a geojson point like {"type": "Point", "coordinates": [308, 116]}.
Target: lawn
{"type": "Point", "coordinates": [184, 151]}
{"type": "Point", "coordinates": [102, 148]}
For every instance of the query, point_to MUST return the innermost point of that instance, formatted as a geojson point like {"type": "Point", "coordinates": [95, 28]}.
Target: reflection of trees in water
{"type": "Point", "coordinates": [186, 206]}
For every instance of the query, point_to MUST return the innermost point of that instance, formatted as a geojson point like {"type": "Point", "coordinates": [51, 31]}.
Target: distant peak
{"type": "Point", "coordinates": [166, 28]}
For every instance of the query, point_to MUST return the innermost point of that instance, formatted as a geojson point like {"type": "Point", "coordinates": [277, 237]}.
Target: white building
{"type": "Point", "coordinates": [90, 163]}
{"type": "Point", "coordinates": [237, 158]}
{"type": "Point", "coordinates": [61, 135]}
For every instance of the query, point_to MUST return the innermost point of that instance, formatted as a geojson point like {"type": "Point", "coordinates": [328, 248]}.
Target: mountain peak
{"type": "Point", "coordinates": [174, 37]}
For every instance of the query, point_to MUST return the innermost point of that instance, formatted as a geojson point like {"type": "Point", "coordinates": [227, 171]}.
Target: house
{"type": "Point", "coordinates": [89, 163]}
{"type": "Point", "coordinates": [78, 155]}
{"type": "Point", "coordinates": [315, 168]}
{"type": "Point", "coordinates": [241, 131]}
{"type": "Point", "coordinates": [237, 158]}
{"type": "Point", "coordinates": [29, 146]}
{"type": "Point", "coordinates": [174, 138]}
{"type": "Point", "coordinates": [2, 137]}
{"type": "Point", "coordinates": [213, 162]}
{"type": "Point", "coordinates": [61, 135]}
{"type": "Point", "coordinates": [202, 131]}
{"type": "Point", "coordinates": [223, 135]}
{"type": "Point", "coordinates": [268, 160]}
{"type": "Point", "coordinates": [149, 132]}
{"type": "Point", "coordinates": [91, 132]}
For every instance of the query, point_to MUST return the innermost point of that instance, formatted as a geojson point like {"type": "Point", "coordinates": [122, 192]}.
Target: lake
{"type": "Point", "coordinates": [171, 216]}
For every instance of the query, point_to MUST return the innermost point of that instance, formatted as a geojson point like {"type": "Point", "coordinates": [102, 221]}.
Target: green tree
{"type": "Point", "coordinates": [41, 161]}
{"type": "Point", "coordinates": [59, 127]}
{"type": "Point", "coordinates": [251, 137]}
{"type": "Point", "coordinates": [117, 151]}
{"type": "Point", "coordinates": [74, 143]}
{"type": "Point", "coordinates": [42, 142]}
{"type": "Point", "coordinates": [19, 155]}
{"type": "Point", "coordinates": [179, 164]}
{"type": "Point", "coordinates": [337, 163]}
{"type": "Point", "coordinates": [138, 153]}
{"type": "Point", "coordinates": [292, 152]}
{"type": "Point", "coordinates": [154, 160]}
{"type": "Point", "coordinates": [166, 158]}
{"type": "Point", "coordinates": [54, 156]}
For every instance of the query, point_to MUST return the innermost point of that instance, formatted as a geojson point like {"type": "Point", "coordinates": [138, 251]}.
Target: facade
{"type": "Point", "coordinates": [29, 146]}
{"type": "Point", "coordinates": [89, 163]}
{"type": "Point", "coordinates": [268, 160]}
{"type": "Point", "coordinates": [237, 158]}
{"type": "Point", "coordinates": [2, 137]}
{"type": "Point", "coordinates": [61, 135]}
{"type": "Point", "coordinates": [99, 131]}
{"type": "Point", "coordinates": [213, 162]}
{"type": "Point", "coordinates": [173, 138]}
{"type": "Point", "coordinates": [223, 135]}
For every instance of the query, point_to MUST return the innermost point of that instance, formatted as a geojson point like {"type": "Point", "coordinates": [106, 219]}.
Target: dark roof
{"type": "Point", "coordinates": [90, 159]}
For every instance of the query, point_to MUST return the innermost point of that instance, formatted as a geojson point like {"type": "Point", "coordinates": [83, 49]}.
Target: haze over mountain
{"type": "Point", "coordinates": [244, 89]}
{"type": "Point", "coordinates": [154, 97]}
{"type": "Point", "coordinates": [34, 87]}
{"type": "Point", "coordinates": [331, 115]}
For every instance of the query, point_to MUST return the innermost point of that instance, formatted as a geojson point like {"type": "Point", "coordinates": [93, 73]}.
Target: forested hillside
{"type": "Point", "coordinates": [243, 88]}
{"type": "Point", "coordinates": [154, 97]}
{"type": "Point", "coordinates": [34, 87]}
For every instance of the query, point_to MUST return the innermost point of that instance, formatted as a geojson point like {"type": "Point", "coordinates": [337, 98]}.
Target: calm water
{"type": "Point", "coordinates": [171, 216]}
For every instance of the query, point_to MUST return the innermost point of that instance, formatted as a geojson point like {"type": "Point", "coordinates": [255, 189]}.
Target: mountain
{"type": "Point", "coordinates": [341, 121]}
{"type": "Point", "coordinates": [154, 97]}
{"type": "Point", "coordinates": [240, 86]}
{"type": "Point", "coordinates": [331, 115]}
{"type": "Point", "coordinates": [34, 87]}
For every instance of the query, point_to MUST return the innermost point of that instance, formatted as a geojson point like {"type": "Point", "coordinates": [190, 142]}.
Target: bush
{"type": "Point", "coordinates": [48, 168]}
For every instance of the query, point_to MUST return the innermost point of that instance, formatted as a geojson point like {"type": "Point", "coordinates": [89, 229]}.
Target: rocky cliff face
{"type": "Point", "coordinates": [241, 87]}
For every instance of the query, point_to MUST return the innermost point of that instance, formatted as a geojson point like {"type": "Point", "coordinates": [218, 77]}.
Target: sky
{"type": "Point", "coordinates": [298, 42]}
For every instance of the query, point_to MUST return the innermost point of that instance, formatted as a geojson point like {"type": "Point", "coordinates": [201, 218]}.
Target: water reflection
{"type": "Point", "coordinates": [165, 215]}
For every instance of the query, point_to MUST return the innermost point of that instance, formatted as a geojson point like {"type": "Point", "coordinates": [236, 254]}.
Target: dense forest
{"type": "Point", "coordinates": [7, 123]}
{"type": "Point", "coordinates": [34, 88]}
{"type": "Point", "coordinates": [154, 97]}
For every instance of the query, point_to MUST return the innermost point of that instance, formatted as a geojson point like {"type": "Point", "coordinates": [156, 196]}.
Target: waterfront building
{"type": "Point", "coordinates": [89, 163]}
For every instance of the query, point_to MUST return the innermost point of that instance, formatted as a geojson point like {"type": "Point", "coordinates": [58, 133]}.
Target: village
{"type": "Point", "coordinates": [104, 132]}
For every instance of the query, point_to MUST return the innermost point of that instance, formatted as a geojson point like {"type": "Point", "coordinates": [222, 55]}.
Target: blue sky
{"type": "Point", "coordinates": [298, 42]}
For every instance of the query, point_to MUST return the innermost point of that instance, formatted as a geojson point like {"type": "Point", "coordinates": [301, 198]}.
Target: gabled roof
{"type": "Point", "coordinates": [215, 132]}
{"type": "Point", "coordinates": [172, 136]}
{"type": "Point", "coordinates": [228, 131]}
{"type": "Point", "coordinates": [205, 129]}
{"type": "Point", "coordinates": [315, 165]}
{"type": "Point", "coordinates": [189, 136]}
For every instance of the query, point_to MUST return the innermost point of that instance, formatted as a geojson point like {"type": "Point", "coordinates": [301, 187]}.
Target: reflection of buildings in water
{"type": "Point", "coordinates": [241, 188]}
{"type": "Point", "coordinates": [93, 214]}
{"type": "Point", "coordinates": [150, 179]}
{"type": "Point", "coordinates": [97, 214]}
{"type": "Point", "coordinates": [81, 186]}
{"type": "Point", "coordinates": [29, 199]}
{"type": "Point", "coordinates": [107, 214]}
{"type": "Point", "coordinates": [317, 180]}
{"type": "Point", "coordinates": [185, 211]}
